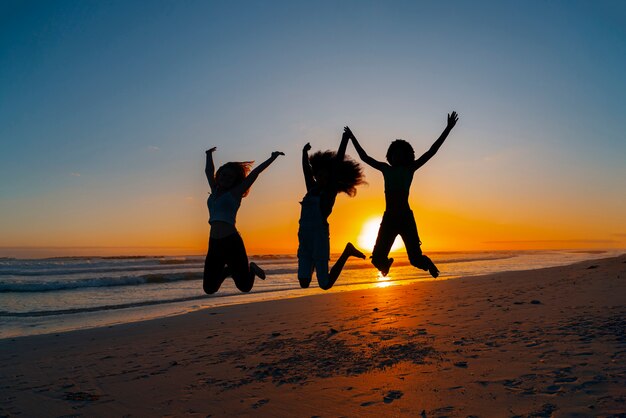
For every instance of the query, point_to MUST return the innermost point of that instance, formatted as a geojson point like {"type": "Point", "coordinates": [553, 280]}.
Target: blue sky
{"type": "Point", "coordinates": [106, 108]}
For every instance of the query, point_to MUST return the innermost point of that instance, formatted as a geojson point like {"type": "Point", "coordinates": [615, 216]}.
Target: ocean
{"type": "Point", "coordinates": [52, 295]}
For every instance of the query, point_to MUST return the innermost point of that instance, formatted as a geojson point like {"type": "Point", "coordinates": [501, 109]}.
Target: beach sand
{"type": "Point", "coordinates": [540, 343]}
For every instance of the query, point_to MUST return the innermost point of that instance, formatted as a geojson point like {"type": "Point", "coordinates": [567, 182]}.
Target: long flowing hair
{"type": "Point", "coordinates": [347, 173]}
{"type": "Point", "coordinates": [241, 170]}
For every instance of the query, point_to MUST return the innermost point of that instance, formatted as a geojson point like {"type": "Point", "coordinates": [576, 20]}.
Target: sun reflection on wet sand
{"type": "Point", "coordinates": [383, 281]}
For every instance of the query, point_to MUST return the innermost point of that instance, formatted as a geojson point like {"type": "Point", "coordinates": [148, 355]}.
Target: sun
{"type": "Point", "coordinates": [369, 232]}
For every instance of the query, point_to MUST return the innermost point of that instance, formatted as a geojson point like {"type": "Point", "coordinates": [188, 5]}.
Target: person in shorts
{"type": "Point", "coordinates": [326, 173]}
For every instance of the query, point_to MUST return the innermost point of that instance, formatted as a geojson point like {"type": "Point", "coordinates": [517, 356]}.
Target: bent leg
{"type": "Point", "coordinates": [320, 253]}
{"type": "Point", "coordinates": [321, 272]}
{"type": "Point", "coordinates": [214, 272]}
{"type": "Point", "coordinates": [413, 247]}
{"type": "Point", "coordinates": [411, 239]}
{"type": "Point", "coordinates": [242, 274]}
{"type": "Point", "coordinates": [349, 251]}
{"type": "Point", "coordinates": [305, 271]}
{"type": "Point", "coordinates": [305, 256]}
{"type": "Point", "coordinates": [386, 236]}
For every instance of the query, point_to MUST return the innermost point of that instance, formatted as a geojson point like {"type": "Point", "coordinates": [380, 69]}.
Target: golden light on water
{"type": "Point", "coordinates": [383, 281]}
{"type": "Point", "coordinates": [369, 232]}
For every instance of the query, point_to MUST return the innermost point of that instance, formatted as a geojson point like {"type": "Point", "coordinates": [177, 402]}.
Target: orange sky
{"type": "Point", "coordinates": [449, 218]}
{"type": "Point", "coordinates": [104, 126]}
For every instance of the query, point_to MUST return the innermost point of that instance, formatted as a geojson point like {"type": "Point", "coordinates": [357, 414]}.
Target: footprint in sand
{"type": "Point", "coordinates": [445, 411]}
{"type": "Point", "coordinates": [81, 396]}
{"type": "Point", "coordinates": [566, 379]}
{"type": "Point", "coordinates": [545, 411]}
{"type": "Point", "coordinates": [392, 395]}
{"type": "Point", "coordinates": [260, 403]}
{"type": "Point", "coordinates": [551, 390]}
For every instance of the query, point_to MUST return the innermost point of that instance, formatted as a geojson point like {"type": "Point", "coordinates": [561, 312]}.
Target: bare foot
{"type": "Point", "coordinates": [385, 270]}
{"type": "Point", "coordinates": [432, 269]}
{"type": "Point", "coordinates": [351, 250]}
{"type": "Point", "coordinates": [258, 271]}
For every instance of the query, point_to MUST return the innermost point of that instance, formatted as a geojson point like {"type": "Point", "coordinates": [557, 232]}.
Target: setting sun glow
{"type": "Point", "coordinates": [369, 231]}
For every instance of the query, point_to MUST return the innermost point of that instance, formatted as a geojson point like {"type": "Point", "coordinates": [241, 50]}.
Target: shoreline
{"type": "Point", "coordinates": [512, 343]}
{"type": "Point", "coordinates": [61, 319]}
{"type": "Point", "coordinates": [115, 256]}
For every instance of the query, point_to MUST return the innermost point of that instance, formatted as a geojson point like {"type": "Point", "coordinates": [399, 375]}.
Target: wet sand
{"type": "Point", "coordinates": [540, 343]}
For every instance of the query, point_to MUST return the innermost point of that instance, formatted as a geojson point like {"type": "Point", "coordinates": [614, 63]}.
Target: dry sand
{"type": "Point", "coordinates": [540, 343]}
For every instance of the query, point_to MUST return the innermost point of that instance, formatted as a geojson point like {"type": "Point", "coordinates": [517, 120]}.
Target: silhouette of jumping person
{"type": "Point", "coordinates": [398, 218]}
{"type": "Point", "coordinates": [326, 174]}
{"type": "Point", "coordinates": [227, 254]}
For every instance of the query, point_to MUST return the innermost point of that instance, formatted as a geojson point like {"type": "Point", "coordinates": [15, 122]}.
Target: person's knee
{"type": "Point", "coordinates": [325, 286]}
{"type": "Point", "coordinates": [304, 282]}
{"type": "Point", "coordinates": [245, 288]}
{"type": "Point", "coordinates": [209, 288]}
{"type": "Point", "coordinates": [324, 282]}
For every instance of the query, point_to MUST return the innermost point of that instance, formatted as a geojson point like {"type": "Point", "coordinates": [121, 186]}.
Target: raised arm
{"type": "Point", "coordinates": [209, 168]}
{"type": "Point", "coordinates": [452, 118]}
{"type": "Point", "coordinates": [341, 151]}
{"type": "Point", "coordinates": [378, 165]}
{"type": "Point", "coordinates": [306, 168]}
{"type": "Point", "coordinates": [251, 178]}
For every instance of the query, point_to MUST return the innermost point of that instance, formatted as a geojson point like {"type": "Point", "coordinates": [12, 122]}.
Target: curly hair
{"type": "Point", "coordinates": [240, 169]}
{"type": "Point", "coordinates": [347, 173]}
{"type": "Point", "coordinates": [403, 152]}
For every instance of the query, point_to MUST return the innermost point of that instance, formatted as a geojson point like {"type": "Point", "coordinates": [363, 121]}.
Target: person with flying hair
{"type": "Point", "coordinates": [227, 255]}
{"type": "Point", "coordinates": [326, 173]}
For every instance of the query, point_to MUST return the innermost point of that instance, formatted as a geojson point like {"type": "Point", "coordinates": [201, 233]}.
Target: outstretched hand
{"type": "Point", "coordinates": [275, 154]}
{"type": "Point", "coordinates": [211, 150]}
{"type": "Point", "coordinates": [452, 119]}
{"type": "Point", "coordinates": [307, 147]}
{"type": "Point", "coordinates": [348, 132]}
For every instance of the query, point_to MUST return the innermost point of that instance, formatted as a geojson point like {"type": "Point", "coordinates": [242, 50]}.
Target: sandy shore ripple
{"type": "Point", "coordinates": [540, 343]}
